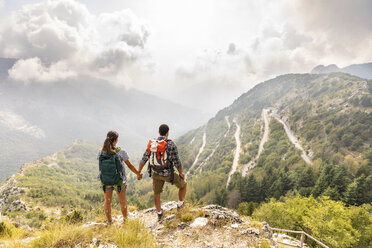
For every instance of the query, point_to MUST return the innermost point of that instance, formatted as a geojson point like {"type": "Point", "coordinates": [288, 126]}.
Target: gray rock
{"type": "Point", "coordinates": [170, 217]}
{"type": "Point", "coordinates": [199, 222]}
{"type": "Point", "coordinates": [182, 225]}
{"type": "Point", "coordinates": [266, 231]}
{"type": "Point", "coordinates": [166, 207]}
{"type": "Point", "coordinates": [220, 213]}
{"type": "Point", "coordinates": [251, 231]}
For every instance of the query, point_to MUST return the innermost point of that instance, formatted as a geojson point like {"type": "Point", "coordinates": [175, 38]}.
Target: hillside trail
{"type": "Point", "coordinates": [201, 149]}
{"type": "Point", "coordinates": [265, 137]}
{"type": "Point", "coordinates": [228, 125]}
{"type": "Point", "coordinates": [290, 134]}
{"type": "Point", "coordinates": [237, 152]}
{"type": "Point", "coordinates": [292, 138]}
{"type": "Point", "coordinates": [218, 144]}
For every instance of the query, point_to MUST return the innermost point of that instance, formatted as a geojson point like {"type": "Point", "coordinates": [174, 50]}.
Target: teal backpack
{"type": "Point", "coordinates": [110, 168]}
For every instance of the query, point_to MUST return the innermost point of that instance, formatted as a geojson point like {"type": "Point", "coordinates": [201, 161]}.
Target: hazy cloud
{"type": "Point", "coordinates": [63, 37]}
{"type": "Point", "coordinates": [341, 29]}
{"type": "Point", "coordinates": [31, 70]}
{"type": "Point", "coordinates": [16, 122]}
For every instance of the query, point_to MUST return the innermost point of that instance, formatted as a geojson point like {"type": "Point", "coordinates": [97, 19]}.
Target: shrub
{"type": "Point", "coordinates": [74, 217]}
{"type": "Point", "coordinates": [186, 217]}
{"type": "Point", "coordinates": [4, 230]}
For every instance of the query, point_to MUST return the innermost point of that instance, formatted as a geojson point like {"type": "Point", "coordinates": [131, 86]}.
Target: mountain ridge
{"type": "Point", "coordinates": [37, 119]}
{"type": "Point", "coordinates": [363, 70]}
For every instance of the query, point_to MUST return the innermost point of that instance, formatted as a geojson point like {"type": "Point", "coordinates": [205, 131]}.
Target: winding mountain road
{"type": "Point", "coordinates": [293, 139]}
{"type": "Point", "coordinates": [200, 152]}
{"type": "Point", "coordinates": [265, 137]}
{"type": "Point", "coordinates": [218, 144]}
{"type": "Point", "coordinates": [290, 134]}
{"type": "Point", "coordinates": [237, 152]}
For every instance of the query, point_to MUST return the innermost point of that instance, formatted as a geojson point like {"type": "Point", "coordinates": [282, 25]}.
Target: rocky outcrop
{"type": "Point", "coordinates": [8, 189]}
{"type": "Point", "coordinates": [208, 226]}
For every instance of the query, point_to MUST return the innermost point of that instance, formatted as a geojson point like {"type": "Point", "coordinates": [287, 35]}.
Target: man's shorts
{"type": "Point", "coordinates": [109, 188]}
{"type": "Point", "coordinates": [158, 182]}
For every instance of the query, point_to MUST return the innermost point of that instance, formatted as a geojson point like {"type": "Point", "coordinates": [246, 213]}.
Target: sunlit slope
{"type": "Point", "coordinates": [315, 121]}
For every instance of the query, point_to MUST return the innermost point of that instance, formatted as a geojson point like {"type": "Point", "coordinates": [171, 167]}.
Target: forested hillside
{"type": "Point", "coordinates": [294, 151]}
{"type": "Point", "coordinates": [319, 130]}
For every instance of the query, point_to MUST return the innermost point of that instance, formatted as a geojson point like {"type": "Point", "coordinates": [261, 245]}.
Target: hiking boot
{"type": "Point", "coordinates": [160, 216]}
{"type": "Point", "coordinates": [108, 222]}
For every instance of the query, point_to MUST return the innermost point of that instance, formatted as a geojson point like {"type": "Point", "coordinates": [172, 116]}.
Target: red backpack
{"type": "Point", "coordinates": [157, 151]}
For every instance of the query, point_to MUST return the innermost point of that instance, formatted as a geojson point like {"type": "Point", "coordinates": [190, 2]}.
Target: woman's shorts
{"type": "Point", "coordinates": [118, 189]}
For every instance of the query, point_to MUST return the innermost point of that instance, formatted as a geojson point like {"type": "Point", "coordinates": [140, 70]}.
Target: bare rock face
{"type": "Point", "coordinates": [217, 213]}
{"type": "Point", "coordinates": [17, 205]}
{"type": "Point", "coordinates": [266, 231]}
{"type": "Point", "coordinates": [251, 231]}
{"type": "Point", "coordinates": [199, 222]}
{"type": "Point", "coordinates": [209, 226]}
{"type": "Point", "coordinates": [166, 207]}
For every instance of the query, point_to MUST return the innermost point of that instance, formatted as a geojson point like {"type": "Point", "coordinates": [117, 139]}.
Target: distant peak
{"type": "Point", "coordinates": [360, 70]}
{"type": "Point", "coordinates": [325, 69]}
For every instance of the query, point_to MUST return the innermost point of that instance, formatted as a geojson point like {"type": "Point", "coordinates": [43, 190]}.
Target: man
{"type": "Point", "coordinates": [162, 155]}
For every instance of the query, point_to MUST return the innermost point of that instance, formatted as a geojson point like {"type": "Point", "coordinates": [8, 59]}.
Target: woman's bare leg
{"type": "Point", "coordinates": [123, 203]}
{"type": "Point", "coordinates": [107, 205]}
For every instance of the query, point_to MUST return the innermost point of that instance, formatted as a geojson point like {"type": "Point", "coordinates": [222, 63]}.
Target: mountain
{"type": "Point", "coordinates": [302, 140]}
{"type": "Point", "coordinates": [297, 133]}
{"type": "Point", "coordinates": [59, 196]}
{"type": "Point", "coordinates": [37, 119]}
{"type": "Point", "coordinates": [359, 70]}
{"type": "Point", "coordinates": [56, 202]}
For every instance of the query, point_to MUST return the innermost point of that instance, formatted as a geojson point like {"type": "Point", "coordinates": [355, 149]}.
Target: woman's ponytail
{"type": "Point", "coordinates": [108, 145]}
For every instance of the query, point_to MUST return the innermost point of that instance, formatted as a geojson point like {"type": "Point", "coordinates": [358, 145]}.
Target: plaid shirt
{"type": "Point", "coordinates": [172, 153]}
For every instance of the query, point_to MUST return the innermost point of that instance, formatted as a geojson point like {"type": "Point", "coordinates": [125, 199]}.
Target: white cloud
{"type": "Point", "coordinates": [58, 37]}
{"type": "Point", "coordinates": [340, 29]}
{"type": "Point", "coordinates": [16, 122]}
{"type": "Point", "coordinates": [31, 70]}
{"type": "Point", "coordinates": [294, 38]}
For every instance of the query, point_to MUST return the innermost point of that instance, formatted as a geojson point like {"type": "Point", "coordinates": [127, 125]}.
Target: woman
{"type": "Point", "coordinates": [109, 148]}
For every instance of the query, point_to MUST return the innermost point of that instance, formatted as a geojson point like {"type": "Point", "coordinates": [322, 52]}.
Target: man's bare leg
{"type": "Point", "coordinates": [182, 193]}
{"type": "Point", "coordinates": [157, 202]}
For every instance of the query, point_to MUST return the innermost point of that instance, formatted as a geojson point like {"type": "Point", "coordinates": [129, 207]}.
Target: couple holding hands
{"type": "Point", "coordinates": [162, 157]}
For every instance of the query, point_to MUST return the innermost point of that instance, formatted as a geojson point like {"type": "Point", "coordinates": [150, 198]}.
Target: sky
{"type": "Point", "coordinates": [200, 53]}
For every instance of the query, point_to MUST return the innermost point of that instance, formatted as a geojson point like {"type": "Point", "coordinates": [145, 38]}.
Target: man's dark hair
{"type": "Point", "coordinates": [163, 129]}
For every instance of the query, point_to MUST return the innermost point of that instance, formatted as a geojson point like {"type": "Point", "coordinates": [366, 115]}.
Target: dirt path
{"type": "Point", "coordinates": [265, 137]}
{"type": "Point", "coordinates": [228, 125]}
{"type": "Point", "coordinates": [293, 139]}
{"type": "Point", "coordinates": [237, 152]}
{"type": "Point", "coordinates": [218, 144]}
{"type": "Point", "coordinates": [200, 152]}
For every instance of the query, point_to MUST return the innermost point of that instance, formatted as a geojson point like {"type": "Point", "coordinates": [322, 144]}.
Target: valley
{"type": "Point", "coordinates": [251, 157]}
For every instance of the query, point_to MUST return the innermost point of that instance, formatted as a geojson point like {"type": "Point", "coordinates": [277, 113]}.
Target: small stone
{"type": "Point", "coordinates": [234, 225]}
{"type": "Point", "coordinates": [266, 231]}
{"type": "Point", "coordinates": [95, 241]}
{"type": "Point", "coordinates": [199, 222]}
{"type": "Point", "coordinates": [251, 231]}
{"type": "Point", "coordinates": [170, 217]}
{"type": "Point", "coordinates": [182, 225]}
